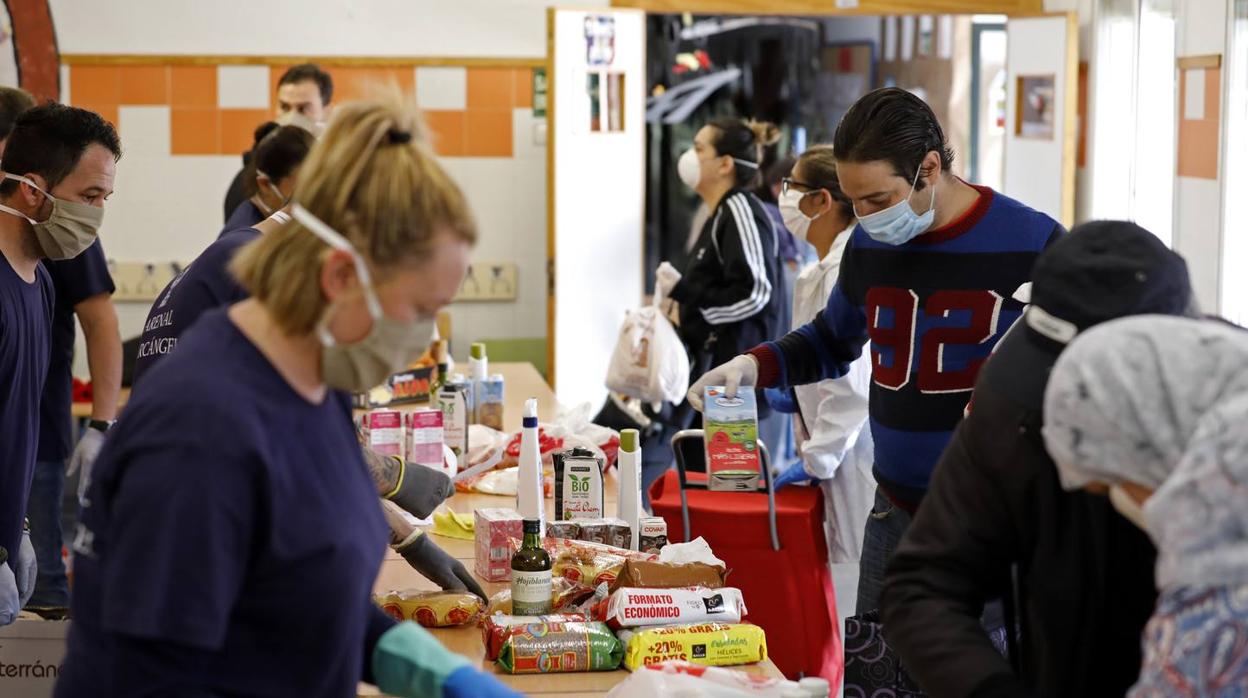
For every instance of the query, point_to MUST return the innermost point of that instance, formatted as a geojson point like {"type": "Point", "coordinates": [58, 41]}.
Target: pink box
{"type": "Point", "coordinates": [385, 432]}
{"type": "Point", "coordinates": [424, 437]}
{"type": "Point", "coordinates": [494, 530]}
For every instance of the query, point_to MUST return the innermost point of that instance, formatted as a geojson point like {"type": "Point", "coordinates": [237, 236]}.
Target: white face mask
{"type": "Point", "coordinates": [797, 222]}
{"type": "Point", "coordinates": [388, 347]}
{"type": "Point", "coordinates": [272, 186]}
{"type": "Point", "coordinates": [899, 224]}
{"type": "Point", "coordinates": [1130, 509]}
{"type": "Point", "coordinates": [294, 118]}
{"type": "Point", "coordinates": [689, 167]}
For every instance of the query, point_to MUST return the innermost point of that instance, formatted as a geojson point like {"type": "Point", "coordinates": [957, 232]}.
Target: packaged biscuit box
{"type": "Point", "coordinates": [730, 424]}
{"type": "Point", "coordinates": [709, 644]}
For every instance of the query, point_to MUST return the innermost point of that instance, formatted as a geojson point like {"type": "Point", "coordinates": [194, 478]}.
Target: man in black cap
{"type": "Point", "coordinates": [1075, 576]}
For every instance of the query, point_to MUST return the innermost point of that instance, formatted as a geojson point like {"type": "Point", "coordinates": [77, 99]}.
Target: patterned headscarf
{"type": "Point", "coordinates": [1162, 402]}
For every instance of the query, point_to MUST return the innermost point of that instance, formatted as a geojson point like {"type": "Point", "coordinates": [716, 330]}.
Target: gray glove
{"type": "Point", "coordinates": [421, 490]}
{"type": "Point", "coordinates": [428, 559]}
{"type": "Point", "coordinates": [10, 600]}
{"type": "Point", "coordinates": [25, 568]}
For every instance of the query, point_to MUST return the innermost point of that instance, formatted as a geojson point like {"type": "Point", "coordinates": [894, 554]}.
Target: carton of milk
{"type": "Point", "coordinates": [424, 438]}
{"type": "Point", "coordinates": [385, 432]}
{"type": "Point", "coordinates": [730, 425]}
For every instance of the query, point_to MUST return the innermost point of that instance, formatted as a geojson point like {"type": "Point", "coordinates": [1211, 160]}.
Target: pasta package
{"type": "Point", "coordinates": [708, 644]}
{"type": "Point", "coordinates": [432, 609]}
{"type": "Point", "coordinates": [585, 647]}
{"type": "Point", "coordinates": [630, 607]}
{"type": "Point", "coordinates": [669, 575]}
{"type": "Point", "coordinates": [496, 629]}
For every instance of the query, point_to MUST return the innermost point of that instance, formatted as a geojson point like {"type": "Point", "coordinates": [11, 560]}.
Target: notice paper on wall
{"type": "Point", "coordinates": [1194, 94]}
{"type": "Point", "coordinates": [890, 38]}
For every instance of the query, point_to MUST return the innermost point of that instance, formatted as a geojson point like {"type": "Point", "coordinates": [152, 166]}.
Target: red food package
{"type": "Point", "coordinates": [497, 628]}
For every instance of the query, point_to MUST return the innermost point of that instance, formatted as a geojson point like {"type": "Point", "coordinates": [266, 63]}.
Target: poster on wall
{"type": "Point", "coordinates": [599, 41]}
{"type": "Point", "coordinates": [1036, 106]}
{"type": "Point", "coordinates": [927, 28]}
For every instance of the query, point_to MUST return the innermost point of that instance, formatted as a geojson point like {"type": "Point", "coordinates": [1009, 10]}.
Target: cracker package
{"type": "Point", "coordinates": [634, 608]}
{"type": "Point", "coordinates": [432, 609]}
{"type": "Point", "coordinates": [708, 644]}
{"type": "Point", "coordinates": [666, 575]}
{"type": "Point", "coordinates": [730, 425]}
{"type": "Point", "coordinates": [587, 647]}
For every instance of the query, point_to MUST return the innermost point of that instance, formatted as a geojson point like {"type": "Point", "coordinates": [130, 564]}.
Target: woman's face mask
{"type": "Point", "coordinates": [68, 231]}
{"type": "Point", "coordinates": [388, 347]}
{"type": "Point", "coordinates": [899, 224]}
{"type": "Point", "coordinates": [797, 222]}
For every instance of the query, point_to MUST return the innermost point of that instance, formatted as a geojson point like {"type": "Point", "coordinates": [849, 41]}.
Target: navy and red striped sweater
{"type": "Point", "coordinates": [932, 308]}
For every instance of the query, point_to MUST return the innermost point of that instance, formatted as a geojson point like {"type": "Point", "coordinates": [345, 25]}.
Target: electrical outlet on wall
{"type": "Point", "coordinates": [141, 281]}
{"type": "Point", "coordinates": [488, 281]}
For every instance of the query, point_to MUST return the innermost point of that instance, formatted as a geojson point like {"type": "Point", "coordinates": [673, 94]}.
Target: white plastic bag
{"type": "Point", "coordinates": [649, 361]}
{"type": "Point", "coordinates": [676, 679]}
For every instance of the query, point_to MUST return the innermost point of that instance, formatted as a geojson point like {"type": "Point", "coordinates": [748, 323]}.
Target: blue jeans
{"type": "Point", "coordinates": [885, 526]}
{"type": "Point", "coordinates": [47, 489]}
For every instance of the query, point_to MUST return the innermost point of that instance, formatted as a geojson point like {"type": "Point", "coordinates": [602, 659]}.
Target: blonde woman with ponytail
{"type": "Point", "coordinates": [231, 534]}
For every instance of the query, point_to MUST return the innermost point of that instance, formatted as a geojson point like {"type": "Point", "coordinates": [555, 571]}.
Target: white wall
{"type": "Point", "coordinates": [162, 215]}
{"type": "Point", "coordinates": [839, 29]}
{"type": "Point", "coordinates": [1198, 202]}
{"type": "Point", "coordinates": [304, 27]}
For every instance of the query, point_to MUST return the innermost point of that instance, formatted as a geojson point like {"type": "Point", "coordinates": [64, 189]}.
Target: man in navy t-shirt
{"type": "Point", "coordinates": [83, 289]}
{"type": "Point", "coordinates": [59, 166]}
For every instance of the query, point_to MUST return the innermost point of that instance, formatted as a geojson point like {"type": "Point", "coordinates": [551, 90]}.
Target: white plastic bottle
{"type": "Point", "coordinates": [529, 500]}
{"type": "Point", "coordinates": [629, 496]}
{"type": "Point", "coordinates": [478, 371]}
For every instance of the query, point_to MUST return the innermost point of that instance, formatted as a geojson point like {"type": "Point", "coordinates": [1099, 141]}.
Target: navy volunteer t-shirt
{"type": "Point", "coordinates": [75, 280]}
{"type": "Point", "coordinates": [230, 539]}
{"type": "Point", "coordinates": [203, 285]}
{"type": "Point", "coordinates": [25, 337]}
{"type": "Point", "coordinates": [245, 216]}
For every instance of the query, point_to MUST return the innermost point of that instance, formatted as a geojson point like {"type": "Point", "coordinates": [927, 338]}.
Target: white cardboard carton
{"type": "Point", "coordinates": [31, 652]}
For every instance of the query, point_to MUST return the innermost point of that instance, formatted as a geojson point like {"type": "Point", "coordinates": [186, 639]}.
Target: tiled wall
{"type": "Point", "coordinates": [183, 127]}
{"type": "Point", "coordinates": [213, 109]}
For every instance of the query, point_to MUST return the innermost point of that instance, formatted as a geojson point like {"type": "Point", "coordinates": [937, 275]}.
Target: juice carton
{"type": "Point", "coordinates": [424, 438]}
{"type": "Point", "coordinates": [493, 530]}
{"type": "Point", "coordinates": [385, 432]}
{"type": "Point", "coordinates": [733, 462]}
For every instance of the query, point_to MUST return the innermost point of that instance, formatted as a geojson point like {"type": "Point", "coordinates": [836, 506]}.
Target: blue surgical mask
{"type": "Point", "coordinates": [899, 224]}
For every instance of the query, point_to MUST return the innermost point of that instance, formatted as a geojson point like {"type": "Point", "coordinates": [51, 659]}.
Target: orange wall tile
{"type": "Point", "coordinates": [238, 128]}
{"type": "Point", "coordinates": [488, 133]}
{"type": "Point", "coordinates": [193, 86]}
{"type": "Point", "coordinates": [490, 88]}
{"type": "Point", "coordinates": [95, 85]}
{"type": "Point", "coordinates": [144, 84]}
{"type": "Point", "coordinates": [447, 131]}
{"type": "Point", "coordinates": [195, 131]}
{"type": "Point", "coordinates": [351, 83]}
{"type": "Point", "coordinates": [522, 78]}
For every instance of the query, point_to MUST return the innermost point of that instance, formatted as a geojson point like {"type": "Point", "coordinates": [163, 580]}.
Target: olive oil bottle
{"type": "Point", "coordinates": [530, 574]}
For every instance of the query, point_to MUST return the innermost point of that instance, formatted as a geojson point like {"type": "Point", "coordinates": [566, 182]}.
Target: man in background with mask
{"type": "Point", "coordinates": [927, 278]}
{"type": "Point", "coordinates": [59, 165]}
{"type": "Point", "coordinates": [303, 95]}
{"type": "Point", "coordinates": [84, 289]}
{"type": "Point", "coordinates": [996, 522]}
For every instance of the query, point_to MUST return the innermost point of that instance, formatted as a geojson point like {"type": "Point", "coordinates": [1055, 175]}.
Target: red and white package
{"type": "Point", "coordinates": [629, 607]}
{"type": "Point", "coordinates": [385, 432]}
{"type": "Point", "coordinates": [424, 438]}
{"type": "Point", "coordinates": [494, 530]}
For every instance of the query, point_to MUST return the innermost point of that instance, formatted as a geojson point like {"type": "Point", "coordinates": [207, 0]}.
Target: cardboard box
{"type": "Point", "coordinates": [31, 653]}
{"type": "Point", "coordinates": [493, 530]}
{"type": "Point", "coordinates": [731, 429]}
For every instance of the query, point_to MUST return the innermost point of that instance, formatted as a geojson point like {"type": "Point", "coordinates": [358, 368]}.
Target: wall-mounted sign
{"type": "Point", "coordinates": [539, 92]}
{"type": "Point", "coordinates": [599, 40]}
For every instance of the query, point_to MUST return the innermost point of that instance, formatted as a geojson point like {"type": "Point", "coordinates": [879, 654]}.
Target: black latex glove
{"type": "Point", "coordinates": [428, 559]}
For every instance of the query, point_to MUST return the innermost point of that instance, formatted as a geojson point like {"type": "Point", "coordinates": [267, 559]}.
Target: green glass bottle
{"type": "Point", "coordinates": [531, 574]}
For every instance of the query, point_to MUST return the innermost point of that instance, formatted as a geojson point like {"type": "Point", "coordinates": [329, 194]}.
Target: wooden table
{"type": "Point", "coordinates": [522, 381]}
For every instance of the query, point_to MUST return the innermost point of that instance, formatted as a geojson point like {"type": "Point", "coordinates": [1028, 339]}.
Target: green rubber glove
{"type": "Point", "coordinates": [408, 662]}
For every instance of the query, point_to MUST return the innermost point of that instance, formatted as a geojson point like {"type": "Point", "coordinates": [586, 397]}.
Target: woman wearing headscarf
{"type": "Point", "coordinates": [1155, 411]}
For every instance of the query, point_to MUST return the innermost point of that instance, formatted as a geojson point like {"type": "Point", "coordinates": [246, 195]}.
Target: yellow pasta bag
{"type": "Point", "coordinates": [709, 644]}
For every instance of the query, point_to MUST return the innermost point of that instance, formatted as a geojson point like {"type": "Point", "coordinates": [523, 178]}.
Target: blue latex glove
{"type": "Point", "coordinates": [780, 400]}
{"type": "Point", "coordinates": [409, 662]}
{"type": "Point", "coordinates": [794, 473]}
{"type": "Point", "coordinates": [10, 601]}
{"type": "Point", "coordinates": [26, 569]}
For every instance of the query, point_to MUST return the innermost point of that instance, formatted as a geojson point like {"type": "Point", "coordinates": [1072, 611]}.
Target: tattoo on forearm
{"type": "Point", "coordinates": [383, 469]}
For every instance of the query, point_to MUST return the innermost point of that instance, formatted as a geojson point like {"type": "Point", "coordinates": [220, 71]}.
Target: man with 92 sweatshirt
{"type": "Point", "coordinates": [928, 279]}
